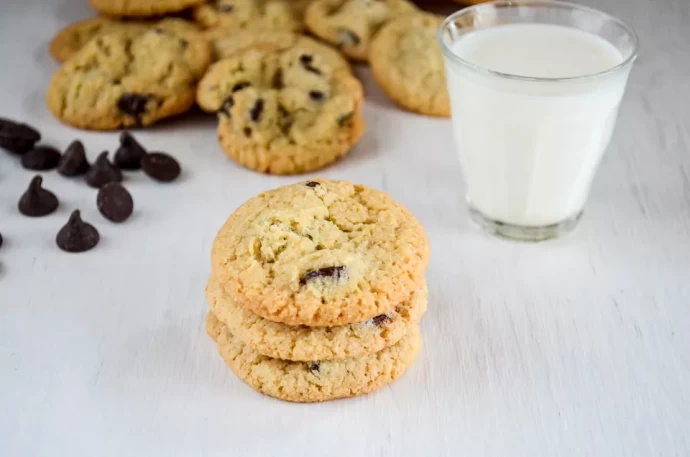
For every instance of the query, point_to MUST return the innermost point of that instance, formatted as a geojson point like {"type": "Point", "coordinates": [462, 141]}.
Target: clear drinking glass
{"type": "Point", "coordinates": [530, 144]}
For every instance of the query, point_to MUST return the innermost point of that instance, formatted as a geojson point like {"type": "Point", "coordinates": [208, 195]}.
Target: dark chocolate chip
{"type": "Point", "coordinates": [160, 166]}
{"type": "Point", "coordinates": [77, 235]}
{"type": "Point", "coordinates": [133, 104]}
{"type": "Point", "coordinates": [128, 156]}
{"type": "Point", "coordinates": [380, 319]}
{"type": "Point", "coordinates": [345, 118]}
{"type": "Point", "coordinates": [314, 367]}
{"type": "Point", "coordinates": [277, 81]}
{"type": "Point", "coordinates": [41, 158]}
{"type": "Point", "coordinates": [102, 172]}
{"type": "Point", "coordinates": [37, 201]}
{"type": "Point", "coordinates": [317, 95]}
{"type": "Point", "coordinates": [73, 161]}
{"type": "Point", "coordinates": [312, 184]}
{"type": "Point", "coordinates": [241, 85]}
{"type": "Point", "coordinates": [257, 110]}
{"type": "Point", "coordinates": [114, 202]}
{"type": "Point", "coordinates": [228, 103]}
{"type": "Point", "coordinates": [16, 137]}
{"type": "Point", "coordinates": [306, 61]}
{"type": "Point", "coordinates": [224, 8]}
{"type": "Point", "coordinates": [347, 38]}
{"type": "Point", "coordinates": [333, 273]}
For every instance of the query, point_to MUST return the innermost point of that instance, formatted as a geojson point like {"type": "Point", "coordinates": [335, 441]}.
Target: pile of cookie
{"type": "Point", "coordinates": [317, 289]}
{"type": "Point", "coordinates": [286, 103]}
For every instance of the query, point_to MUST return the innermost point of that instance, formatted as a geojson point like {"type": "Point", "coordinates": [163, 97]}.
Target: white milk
{"type": "Point", "coordinates": [529, 149]}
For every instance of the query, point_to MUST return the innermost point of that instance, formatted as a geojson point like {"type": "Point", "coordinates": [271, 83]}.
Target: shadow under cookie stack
{"type": "Point", "coordinates": [317, 289]}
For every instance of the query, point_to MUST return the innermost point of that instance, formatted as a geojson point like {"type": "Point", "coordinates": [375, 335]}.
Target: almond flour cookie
{"type": "Point", "coordinates": [142, 7]}
{"type": "Point", "coordinates": [302, 343]}
{"type": "Point", "coordinates": [119, 81]}
{"type": "Point", "coordinates": [284, 111]}
{"type": "Point", "coordinates": [350, 24]}
{"type": "Point", "coordinates": [320, 253]}
{"type": "Point", "coordinates": [407, 63]}
{"type": "Point", "coordinates": [317, 380]}
{"type": "Point", "coordinates": [265, 15]}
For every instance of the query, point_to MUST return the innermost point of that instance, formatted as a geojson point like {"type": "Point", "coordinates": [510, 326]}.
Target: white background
{"type": "Point", "coordinates": [576, 347]}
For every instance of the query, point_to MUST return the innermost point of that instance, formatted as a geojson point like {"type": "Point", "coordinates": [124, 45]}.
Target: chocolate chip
{"type": "Point", "coordinates": [241, 85]}
{"type": "Point", "coordinates": [380, 319]}
{"type": "Point", "coordinates": [333, 273]}
{"type": "Point", "coordinates": [257, 110]}
{"type": "Point", "coordinates": [16, 137]}
{"type": "Point", "coordinates": [114, 202]}
{"type": "Point", "coordinates": [73, 161]}
{"type": "Point", "coordinates": [128, 155]}
{"type": "Point", "coordinates": [224, 8]}
{"type": "Point", "coordinates": [312, 184]}
{"type": "Point", "coordinates": [133, 104]}
{"type": "Point", "coordinates": [277, 82]}
{"type": "Point", "coordinates": [102, 172]}
{"type": "Point", "coordinates": [306, 61]}
{"type": "Point", "coordinates": [345, 118]}
{"type": "Point", "coordinates": [314, 367]}
{"type": "Point", "coordinates": [347, 38]}
{"type": "Point", "coordinates": [37, 201]}
{"type": "Point", "coordinates": [41, 158]}
{"type": "Point", "coordinates": [317, 96]}
{"type": "Point", "coordinates": [228, 103]}
{"type": "Point", "coordinates": [160, 166]}
{"type": "Point", "coordinates": [0, 240]}
{"type": "Point", "coordinates": [247, 131]}
{"type": "Point", "coordinates": [77, 235]}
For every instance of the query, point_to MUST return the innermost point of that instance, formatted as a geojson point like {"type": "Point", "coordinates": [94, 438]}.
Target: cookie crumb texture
{"type": "Point", "coordinates": [284, 109]}
{"type": "Point", "coordinates": [318, 380]}
{"type": "Point", "coordinates": [301, 343]}
{"type": "Point", "coordinates": [370, 253]}
{"type": "Point", "coordinates": [350, 24]}
{"type": "Point", "coordinates": [407, 63]}
{"type": "Point", "coordinates": [142, 7]}
{"type": "Point", "coordinates": [118, 80]}
{"type": "Point", "coordinates": [256, 15]}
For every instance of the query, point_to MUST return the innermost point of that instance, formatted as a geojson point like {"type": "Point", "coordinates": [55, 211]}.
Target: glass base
{"type": "Point", "coordinates": [525, 233]}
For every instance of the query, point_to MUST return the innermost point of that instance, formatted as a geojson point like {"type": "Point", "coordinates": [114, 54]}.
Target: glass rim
{"type": "Point", "coordinates": [537, 3]}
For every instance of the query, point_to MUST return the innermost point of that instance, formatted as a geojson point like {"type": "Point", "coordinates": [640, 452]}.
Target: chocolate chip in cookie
{"type": "Point", "coordinates": [347, 38]}
{"type": "Point", "coordinates": [133, 105]}
{"type": "Point", "coordinates": [257, 110]}
{"type": "Point", "coordinates": [306, 61]}
{"type": "Point", "coordinates": [317, 95]}
{"type": "Point", "coordinates": [334, 273]}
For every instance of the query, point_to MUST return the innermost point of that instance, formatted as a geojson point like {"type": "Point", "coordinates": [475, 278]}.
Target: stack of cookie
{"type": "Point", "coordinates": [317, 289]}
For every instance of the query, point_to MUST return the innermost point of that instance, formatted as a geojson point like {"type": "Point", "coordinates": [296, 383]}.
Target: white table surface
{"type": "Point", "coordinates": [575, 347]}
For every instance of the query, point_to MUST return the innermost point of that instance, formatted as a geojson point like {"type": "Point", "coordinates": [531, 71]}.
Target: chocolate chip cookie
{"type": "Point", "coordinates": [267, 15]}
{"type": "Point", "coordinates": [118, 80]}
{"type": "Point", "coordinates": [142, 7]}
{"type": "Point", "coordinates": [407, 63]}
{"type": "Point", "coordinates": [300, 343]}
{"type": "Point", "coordinates": [320, 253]}
{"type": "Point", "coordinates": [284, 111]}
{"type": "Point", "coordinates": [314, 380]}
{"type": "Point", "coordinates": [350, 24]}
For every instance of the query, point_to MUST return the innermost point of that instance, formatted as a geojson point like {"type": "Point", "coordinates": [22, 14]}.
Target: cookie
{"type": "Point", "coordinates": [142, 7]}
{"type": "Point", "coordinates": [119, 81]}
{"type": "Point", "coordinates": [300, 343]}
{"type": "Point", "coordinates": [350, 24]}
{"type": "Point", "coordinates": [284, 111]}
{"type": "Point", "coordinates": [407, 63]}
{"type": "Point", "coordinates": [226, 42]}
{"type": "Point", "coordinates": [320, 253]}
{"type": "Point", "coordinates": [266, 15]}
{"type": "Point", "coordinates": [315, 380]}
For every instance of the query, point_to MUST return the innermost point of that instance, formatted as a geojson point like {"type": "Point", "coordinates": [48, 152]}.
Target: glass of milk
{"type": "Point", "coordinates": [535, 88]}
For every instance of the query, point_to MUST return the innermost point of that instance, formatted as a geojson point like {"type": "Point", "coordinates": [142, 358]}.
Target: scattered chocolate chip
{"type": "Point", "coordinates": [102, 172]}
{"type": "Point", "coordinates": [228, 103]}
{"type": "Point", "coordinates": [347, 38]}
{"type": "Point", "coordinates": [77, 235]}
{"type": "Point", "coordinates": [317, 95]}
{"type": "Point", "coordinates": [160, 166]}
{"type": "Point", "coordinates": [314, 367]}
{"type": "Point", "coordinates": [312, 184]}
{"type": "Point", "coordinates": [380, 319]}
{"type": "Point", "coordinates": [133, 104]}
{"type": "Point", "coordinates": [41, 158]}
{"type": "Point", "coordinates": [257, 110]}
{"type": "Point", "coordinates": [306, 61]}
{"type": "Point", "coordinates": [114, 202]}
{"type": "Point", "coordinates": [73, 161]}
{"type": "Point", "coordinates": [334, 273]}
{"type": "Point", "coordinates": [224, 8]}
{"type": "Point", "coordinates": [16, 137]}
{"type": "Point", "coordinates": [37, 201]}
{"type": "Point", "coordinates": [241, 85]}
{"type": "Point", "coordinates": [277, 81]}
{"type": "Point", "coordinates": [128, 156]}
{"type": "Point", "coordinates": [345, 118]}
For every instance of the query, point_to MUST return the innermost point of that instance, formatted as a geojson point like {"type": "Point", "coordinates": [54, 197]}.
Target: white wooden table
{"type": "Point", "coordinates": [575, 347]}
